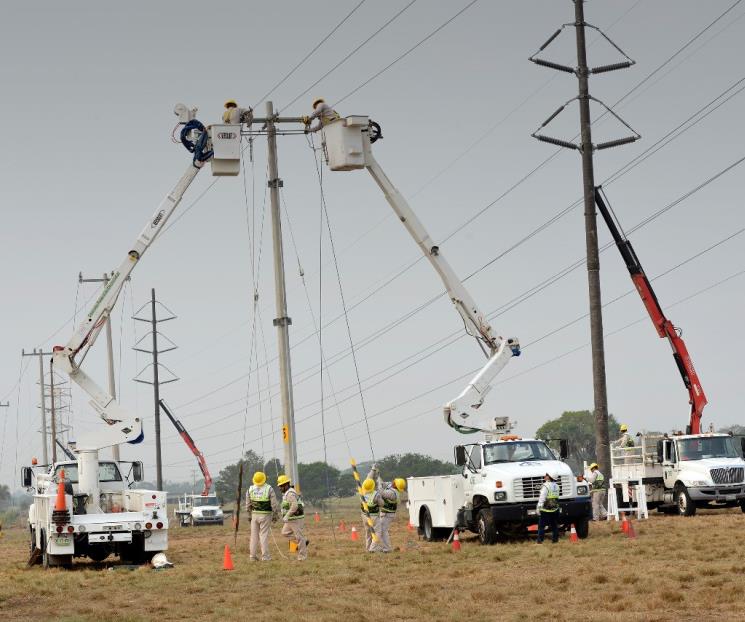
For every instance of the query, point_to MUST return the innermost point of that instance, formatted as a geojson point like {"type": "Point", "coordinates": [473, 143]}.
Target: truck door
{"type": "Point", "coordinates": [669, 463]}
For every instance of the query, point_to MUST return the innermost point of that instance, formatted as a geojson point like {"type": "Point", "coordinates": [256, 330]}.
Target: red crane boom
{"type": "Point", "coordinates": [665, 328]}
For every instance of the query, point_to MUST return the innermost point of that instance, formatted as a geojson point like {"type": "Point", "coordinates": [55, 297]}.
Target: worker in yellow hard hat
{"type": "Point", "coordinates": [390, 493]}
{"type": "Point", "coordinates": [236, 115]}
{"type": "Point", "coordinates": [261, 506]}
{"type": "Point", "coordinates": [324, 113]}
{"type": "Point", "coordinates": [293, 516]}
{"type": "Point", "coordinates": [373, 501]}
{"type": "Point", "coordinates": [598, 490]}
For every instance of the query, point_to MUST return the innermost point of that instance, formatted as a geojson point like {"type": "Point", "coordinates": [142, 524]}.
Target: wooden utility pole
{"type": "Point", "coordinates": [586, 149]}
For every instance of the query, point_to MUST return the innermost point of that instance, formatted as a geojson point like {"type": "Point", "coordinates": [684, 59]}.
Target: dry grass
{"type": "Point", "coordinates": [681, 569]}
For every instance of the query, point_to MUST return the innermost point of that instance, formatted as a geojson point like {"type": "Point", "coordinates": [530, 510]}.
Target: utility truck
{"type": "Point", "coordinates": [496, 494]}
{"type": "Point", "coordinates": [196, 510]}
{"type": "Point", "coordinates": [90, 510]}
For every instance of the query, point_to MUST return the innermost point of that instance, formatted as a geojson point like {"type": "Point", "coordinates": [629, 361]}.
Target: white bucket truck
{"type": "Point", "coordinates": [496, 494]}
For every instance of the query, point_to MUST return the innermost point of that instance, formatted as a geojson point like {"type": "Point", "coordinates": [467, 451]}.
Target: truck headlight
{"type": "Point", "coordinates": [500, 496]}
{"type": "Point", "coordinates": [581, 490]}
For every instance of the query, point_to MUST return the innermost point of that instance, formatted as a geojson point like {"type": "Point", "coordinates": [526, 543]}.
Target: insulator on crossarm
{"type": "Point", "coordinates": [556, 141]}
{"type": "Point", "coordinates": [550, 39]}
{"type": "Point", "coordinates": [613, 67]}
{"type": "Point", "coordinates": [616, 143]}
{"type": "Point", "coordinates": [550, 65]}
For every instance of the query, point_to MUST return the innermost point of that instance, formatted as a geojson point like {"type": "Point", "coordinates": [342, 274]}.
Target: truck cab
{"type": "Point", "coordinates": [195, 510]}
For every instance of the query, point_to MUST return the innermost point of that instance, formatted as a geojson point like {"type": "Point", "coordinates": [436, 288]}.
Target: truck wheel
{"type": "Point", "coordinates": [582, 526]}
{"type": "Point", "coordinates": [32, 547]}
{"type": "Point", "coordinates": [685, 506]}
{"type": "Point", "coordinates": [742, 504]}
{"type": "Point", "coordinates": [487, 530]}
{"type": "Point", "coordinates": [98, 552]}
{"type": "Point", "coordinates": [428, 532]}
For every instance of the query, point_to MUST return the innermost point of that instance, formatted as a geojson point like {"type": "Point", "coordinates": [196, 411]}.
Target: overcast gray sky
{"type": "Point", "coordinates": [88, 90]}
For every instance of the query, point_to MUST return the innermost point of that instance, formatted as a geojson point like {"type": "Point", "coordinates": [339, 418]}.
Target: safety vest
{"type": "Point", "coordinates": [260, 500]}
{"type": "Point", "coordinates": [300, 513]}
{"type": "Point", "coordinates": [389, 507]}
{"type": "Point", "coordinates": [372, 507]}
{"type": "Point", "coordinates": [599, 483]}
{"type": "Point", "coordinates": [551, 504]}
{"type": "Point", "coordinates": [329, 116]}
{"type": "Point", "coordinates": [629, 442]}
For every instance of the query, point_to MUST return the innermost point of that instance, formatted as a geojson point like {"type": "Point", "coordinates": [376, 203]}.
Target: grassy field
{"type": "Point", "coordinates": [676, 569]}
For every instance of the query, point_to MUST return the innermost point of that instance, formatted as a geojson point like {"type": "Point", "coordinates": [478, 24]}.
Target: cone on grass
{"type": "Point", "coordinates": [456, 541]}
{"type": "Point", "coordinates": [60, 504]}
{"type": "Point", "coordinates": [342, 526]}
{"type": "Point", "coordinates": [227, 560]}
{"type": "Point", "coordinates": [625, 524]}
{"type": "Point", "coordinates": [316, 518]}
{"type": "Point", "coordinates": [630, 532]}
{"type": "Point", "coordinates": [355, 536]}
{"type": "Point", "coordinates": [573, 534]}
{"type": "Point", "coordinates": [410, 527]}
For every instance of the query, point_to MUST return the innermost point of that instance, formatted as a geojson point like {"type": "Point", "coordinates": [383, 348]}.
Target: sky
{"type": "Point", "coordinates": [88, 94]}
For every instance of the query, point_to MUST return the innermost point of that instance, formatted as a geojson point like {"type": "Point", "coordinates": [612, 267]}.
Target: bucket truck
{"type": "Point", "coordinates": [99, 514]}
{"type": "Point", "coordinates": [682, 472]}
{"type": "Point", "coordinates": [497, 491]}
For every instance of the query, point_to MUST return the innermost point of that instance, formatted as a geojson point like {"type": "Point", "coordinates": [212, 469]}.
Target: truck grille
{"type": "Point", "coordinates": [728, 475]}
{"type": "Point", "coordinates": [530, 487]}
{"type": "Point", "coordinates": [209, 512]}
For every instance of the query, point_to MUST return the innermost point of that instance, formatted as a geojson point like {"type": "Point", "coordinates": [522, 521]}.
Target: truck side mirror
{"type": "Point", "coordinates": [137, 471]}
{"type": "Point", "coordinates": [659, 452]}
{"type": "Point", "coordinates": [460, 455]}
{"type": "Point", "coordinates": [26, 477]}
{"type": "Point", "coordinates": [742, 446]}
{"type": "Point", "coordinates": [563, 448]}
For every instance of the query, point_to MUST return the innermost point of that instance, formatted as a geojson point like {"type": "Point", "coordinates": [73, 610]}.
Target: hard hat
{"type": "Point", "coordinates": [594, 465]}
{"type": "Point", "coordinates": [400, 484]}
{"type": "Point", "coordinates": [553, 475]}
{"type": "Point", "coordinates": [624, 427]}
{"type": "Point", "coordinates": [231, 102]}
{"type": "Point", "coordinates": [259, 478]}
{"type": "Point", "coordinates": [282, 480]}
{"type": "Point", "coordinates": [318, 100]}
{"type": "Point", "coordinates": [160, 560]}
{"type": "Point", "coordinates": [368, 485]}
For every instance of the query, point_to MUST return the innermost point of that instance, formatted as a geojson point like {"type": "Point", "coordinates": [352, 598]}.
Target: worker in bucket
{"type": "Point", "coordinates": [598, 490]}
{"type": "Point", "coordinates": [293, 516]}
{"type": "Point", "coordinates": [373, 501]}
{"type": "Point", "coordinates": [625, 439]}
{"type": "Point", "coordinates": [548, 508]}
{"type": "Point", "coordinates": [236, 115]}
{"type": "Point", "coordinates": [389, 498]}
{"type": "Point", "coordinates": [261, 506]}
{"type": "Point", "coordinates": [323, 113]}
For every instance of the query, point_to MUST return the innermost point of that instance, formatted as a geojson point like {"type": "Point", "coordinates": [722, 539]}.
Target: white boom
{"type": "Point", "coordinates": [348, 147]}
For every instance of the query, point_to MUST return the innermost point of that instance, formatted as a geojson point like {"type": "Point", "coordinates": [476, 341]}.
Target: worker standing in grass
{"type": "Point", "coordinates": [388, 504]}
{"type": "Point", "coordinates": [598, 490]}
{"type": "Point", "coordinates": [261, 506]}
{"type": "Point", "coordinates": [373, 501]}
{"type": "Point", "coordinates": [293, 516]}
{"type": "Point", "coordinates": [324, 113]}
{"type": "Point", "coordinates": [548, 508]}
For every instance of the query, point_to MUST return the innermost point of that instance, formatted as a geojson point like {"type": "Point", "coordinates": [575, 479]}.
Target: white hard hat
{"type": "Point", "coordinates": [159, 560]}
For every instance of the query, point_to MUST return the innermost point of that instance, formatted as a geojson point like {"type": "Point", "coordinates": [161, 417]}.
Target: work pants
{"type": "Point", "coordinates": [260, 528]}
{"type": "Point", "coordinates": [383, 532]}
{"type": "Point", "coordinates": [598, 508]}
{"type": "Point", "coordinates": [294, 530]}
{"type": "Point", "coordinates": [369, 542]}
{"type": "Point", "coordinates": [548, 519]}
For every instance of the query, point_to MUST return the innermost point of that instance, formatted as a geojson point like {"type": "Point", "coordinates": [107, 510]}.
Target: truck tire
{"type": "Point", "coordinates": [742, 505]}
{"type": "Point", "coordinates": [99, 552]}
{"type": "Point", "coordinates": [425, 521]}
{"type": "Point", "coordinates": [683, 502]}
{"type": "Point", "coordinates": [582, 526]}
{"type": "Point", "coordinates": [32, 547]}
{"type": "Point", "coordinates": [53, 561]}
{"type": "Point", "coordinates": [486, 527]}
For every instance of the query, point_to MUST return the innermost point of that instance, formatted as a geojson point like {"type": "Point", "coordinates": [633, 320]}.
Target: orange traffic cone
{"type": "Point", "coordinates": [342, 526]}
{"type": "Point", "coordinates": [316, 518]}
{"type": "Point", "coordinates": [410, 527]}
{"type": "Point", "coordinates": [573, 534]}
{"type": "Point", "coordinates": [227, 560]}
{"type": "Point", "coordinates": [355, 536]}
{"type": "Point", "coordinates": [630, 530]}
{"type": "Point", "coordinates": [625, 524]}
{"type": "Point", "coordinates": [532, 528]}
{"type": "Point", "coordinates": [456, 540]}
{"type": "Point", "coordinates": [60, 504]}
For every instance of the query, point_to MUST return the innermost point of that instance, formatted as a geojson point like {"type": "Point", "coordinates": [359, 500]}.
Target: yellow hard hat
{"type": "Point", "coordinates": [368, 485]}
{"type": "Point", "coordinates": [282, 480]}
{"type": "Point", "coordinates": [317, 100]}
{"type": "Point", "coordinates": [594, 465]}
{"type": "Point", "coordinates": [259, 478]}
{"type": "Point", "coordinates": [231, 102]}
{"type": "Point", "coordinates": [400, 484]}
{"type": "Point", "coordinates": [624, 427]}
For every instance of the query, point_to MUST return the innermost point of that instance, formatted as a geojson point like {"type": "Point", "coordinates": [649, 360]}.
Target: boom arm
{"type": "Point", "coordinates": [192, 447]}
{"type": "Point", "coordinates": [122, 427]}
{"type": "Point", "coordinates": [664, 327]}
{"type": "Point", "coordinates": [499, 351]}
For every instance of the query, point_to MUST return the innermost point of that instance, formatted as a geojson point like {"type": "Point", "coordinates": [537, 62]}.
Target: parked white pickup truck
{"type": "Point", "coordinates": [496, 494]}
{"type": "Point", "coordinates": [195, 510]}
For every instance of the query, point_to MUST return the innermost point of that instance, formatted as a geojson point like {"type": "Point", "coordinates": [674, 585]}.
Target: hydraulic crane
{"type": "Point", "coordinates": [664, 327]}
{"type": "Point", "coordinates": [192, 447]}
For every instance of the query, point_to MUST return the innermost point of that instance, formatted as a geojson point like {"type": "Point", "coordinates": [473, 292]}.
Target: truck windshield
{"type": "Point", "coordinates": [107, 472]}
{"type": "Point", "coordinates": [202, 501]}
{"type": "Point", "coordinates": [706, 447]}
{"type": "Point", "coordinates": [517, 451]}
